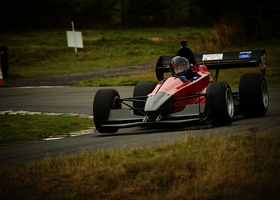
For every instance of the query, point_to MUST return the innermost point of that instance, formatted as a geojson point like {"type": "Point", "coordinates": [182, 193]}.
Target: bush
{"type": "Point", "coordinates": [229, 30]}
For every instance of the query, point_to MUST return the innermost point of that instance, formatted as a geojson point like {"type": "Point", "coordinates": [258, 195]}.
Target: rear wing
{"type": "Point", "coordinates": [227, 60]}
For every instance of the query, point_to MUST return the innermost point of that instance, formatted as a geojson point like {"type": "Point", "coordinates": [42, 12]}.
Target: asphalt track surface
{"type": "Point", "coordinates": [79, 100]}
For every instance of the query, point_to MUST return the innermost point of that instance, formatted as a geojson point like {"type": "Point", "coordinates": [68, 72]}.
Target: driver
{"type": "Point", "coordinates": [181, 68]}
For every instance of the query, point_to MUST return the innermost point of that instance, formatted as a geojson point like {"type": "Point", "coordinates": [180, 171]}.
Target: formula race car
{"type": "Point", "coordinates": [190, 93]}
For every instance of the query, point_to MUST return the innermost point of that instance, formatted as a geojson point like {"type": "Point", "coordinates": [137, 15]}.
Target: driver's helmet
{"type": "Point", "coordinates": [180, 66]}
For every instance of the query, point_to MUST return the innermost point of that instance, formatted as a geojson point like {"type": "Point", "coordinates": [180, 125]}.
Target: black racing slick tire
{"type": "Point", "coordinates": [142, 89]}
{"type": "Point", "coordinates": [219, 100]}
{"type": "Point", "coordinates": [253, 94]}
{"type": "Point", "coordinates": [104, 101]}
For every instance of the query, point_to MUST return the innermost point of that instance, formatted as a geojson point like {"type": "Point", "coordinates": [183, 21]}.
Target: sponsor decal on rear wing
{"type": "Point", "coordinates": [216, 56]}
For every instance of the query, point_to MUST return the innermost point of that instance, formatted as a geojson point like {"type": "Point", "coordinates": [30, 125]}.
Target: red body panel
{"type": "Point", "coordinates": [180, 89]}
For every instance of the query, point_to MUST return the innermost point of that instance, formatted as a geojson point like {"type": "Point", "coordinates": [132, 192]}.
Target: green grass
{"type": "Point", "coordinates": [209, 167]}
{"type": "Point", "coordinates": [45, 52]}
{"type": "Point", "coordinates": [40, 53]}
{"type": "Point", "coordinates": [17, 129]}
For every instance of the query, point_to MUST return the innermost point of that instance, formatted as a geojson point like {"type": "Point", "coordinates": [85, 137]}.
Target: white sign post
{"type": "Point", "coordinates": [74, 39]}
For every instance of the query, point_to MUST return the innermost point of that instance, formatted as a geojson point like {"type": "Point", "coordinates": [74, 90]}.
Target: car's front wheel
{"type": "Point", "coordinates": [104, 101]}
{"type": "Point", "coordinates": [219, 100]}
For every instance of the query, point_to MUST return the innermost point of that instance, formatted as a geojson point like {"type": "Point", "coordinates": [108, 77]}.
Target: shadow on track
{"type": "Point", "coordinates": [157, 129]}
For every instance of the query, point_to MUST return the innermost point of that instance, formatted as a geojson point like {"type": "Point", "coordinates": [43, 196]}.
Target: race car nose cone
{"type": "Point", "coordinates": [160, 103]}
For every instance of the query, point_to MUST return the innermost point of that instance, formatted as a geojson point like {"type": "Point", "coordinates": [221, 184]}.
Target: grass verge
{"type": "Point", "coordinates": [16, 129]}
{"type": "Point", "coordinates": [45, 52]}
{"type": "Point", "coordinates": [209, 167]}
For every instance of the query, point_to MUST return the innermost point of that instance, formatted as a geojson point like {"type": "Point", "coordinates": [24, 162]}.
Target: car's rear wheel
{"type": "Point", "coordinates": [219, 100]}
{"type": "Point", "coordinates": [104, 101]}
{"type": "Point", "coordinates": [142, 89]}
{"type": "Point", "coordinates": [253, 94]}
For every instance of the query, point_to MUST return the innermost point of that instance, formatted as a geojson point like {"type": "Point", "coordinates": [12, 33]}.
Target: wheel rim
{"type": "Point", "coordinates": [116, 103]}
{"type": "Point", "coordinates": [229, 103]}
{"type": "Point", "coordinates": [264, 94]}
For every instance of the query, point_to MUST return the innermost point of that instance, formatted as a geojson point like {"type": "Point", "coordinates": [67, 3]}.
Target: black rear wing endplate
{"type": "Point", "coordinates": [226, 60]}
{"type": "Point", "coordinates": [163, 66]}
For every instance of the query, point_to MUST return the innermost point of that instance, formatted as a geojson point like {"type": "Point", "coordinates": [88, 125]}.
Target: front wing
{"type": "Point", "coordinates": [123, 118]}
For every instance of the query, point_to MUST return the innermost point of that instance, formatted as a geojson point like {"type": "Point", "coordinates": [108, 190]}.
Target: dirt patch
{"type": "Point", "coordinates": [75, 78]}
{"type": "Point", "coordinates": [156, 39]}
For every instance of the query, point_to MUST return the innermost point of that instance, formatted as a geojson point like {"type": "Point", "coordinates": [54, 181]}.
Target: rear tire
{"type": "Point", "coordinates": [219, 100]}
{"type": "Point", "coordinates": [142, 89]}
{"type": "Point", "coordinates": [253, 95]}
{"type": "Point", "coordinates": [104, 101]}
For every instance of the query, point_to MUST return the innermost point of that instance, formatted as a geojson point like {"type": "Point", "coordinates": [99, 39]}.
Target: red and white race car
{"type": "Point", "coordinates": [190, 93]}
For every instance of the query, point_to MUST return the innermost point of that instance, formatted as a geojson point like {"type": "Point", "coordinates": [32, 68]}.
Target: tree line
{"type": "Point", "coordinates": [28, 14]}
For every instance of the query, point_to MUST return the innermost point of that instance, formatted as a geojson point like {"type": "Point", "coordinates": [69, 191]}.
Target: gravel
{"type": "Point", "coordinates": [75, 78]}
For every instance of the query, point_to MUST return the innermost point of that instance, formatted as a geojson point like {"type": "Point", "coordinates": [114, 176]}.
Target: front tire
{"type": "Point", "coordinates": [219, 100]}
{"type": "Point", "coordinates": [253, 95]}
{"type": "Point", "coordinates": [104, 101]}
